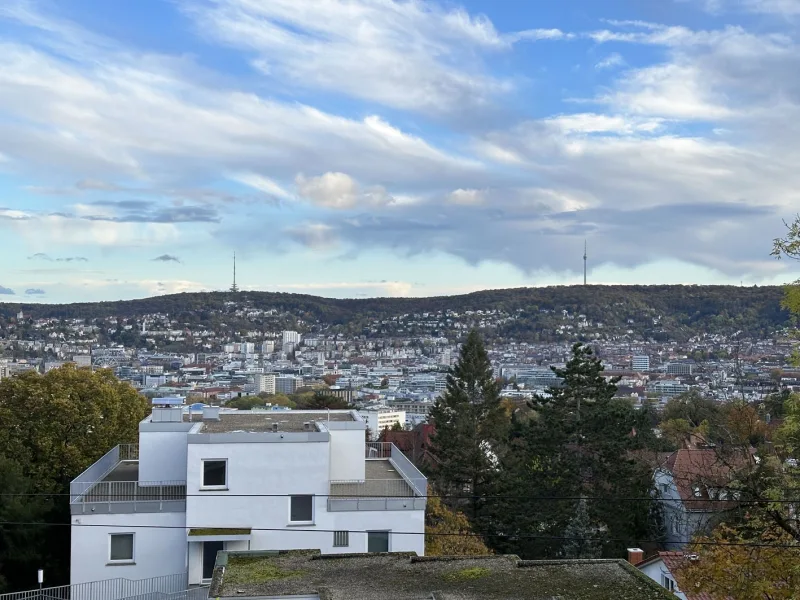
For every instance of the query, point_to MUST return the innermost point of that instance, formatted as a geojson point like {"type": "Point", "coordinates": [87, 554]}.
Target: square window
{"type": "Point", "coordinates": [341, 539]}
{"type": "Point", "coordinates": [377, 541]}
{"type": "Point", "coordinates": [302, 509]}
{"type": "Point", "coordinates": [668, 583]}
{"type": "Point", "coordinates": [120, 547]}
{"type": "Point", "coordinates": [215, 473]}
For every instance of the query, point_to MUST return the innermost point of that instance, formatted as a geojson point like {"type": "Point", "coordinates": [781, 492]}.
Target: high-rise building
{"type": "Point", "coordinates": [287, 384]}
{"type": "Point", "coordinates": [265, 384]}
{"type": "Point", "coordinates": [291, 337]}
{"type": "Point", "coordinates": [268, 347]}
{"type": "Point", "coordinates": [640, 363]}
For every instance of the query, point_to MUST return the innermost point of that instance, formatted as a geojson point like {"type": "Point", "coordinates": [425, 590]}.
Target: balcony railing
{"type": "Point", "coordinates": [372, 488]}
{"type": "Point", "coordinates": [111, 485]}
{"type": "Point", "coordinates": [407, 490]}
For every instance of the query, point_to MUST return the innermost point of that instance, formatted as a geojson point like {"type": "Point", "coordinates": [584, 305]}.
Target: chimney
{"type": "Point", "coordinates": [635, 555]}
{"type": "Point", "coordinates": [274, 428]}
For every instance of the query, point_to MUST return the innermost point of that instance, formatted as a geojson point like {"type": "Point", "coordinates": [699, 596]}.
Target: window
{"type": "Point", "coordinates": [668, 583]}
{"type": "Point", "coordinates": [215, 473]}
{"type": "Point", "coordinates": [120, 547]}
{"type": "Point", "coordinates": [377, 541]}
{"type": "Point", "coordinates": [341, 539]}
{"type": "Point", "coordinates": [301, 509]}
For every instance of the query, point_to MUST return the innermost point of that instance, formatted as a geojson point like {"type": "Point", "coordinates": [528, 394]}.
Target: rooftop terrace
{"type": "Point", "coordinates": [408, 577]}
{"type": "Point", "coordinates": [262, 421]}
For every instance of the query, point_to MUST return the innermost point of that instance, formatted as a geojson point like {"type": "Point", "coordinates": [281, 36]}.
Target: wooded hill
{"type": "Point", "coordinates": [661, 312]}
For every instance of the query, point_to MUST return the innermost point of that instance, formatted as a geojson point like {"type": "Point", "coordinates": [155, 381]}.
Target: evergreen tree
{"type": "Point", "coordinates": [580, 441]}
{"type": "Point", "coordinates": [582, 537]}
{"type": "Point", "coordinates": [470, 424]}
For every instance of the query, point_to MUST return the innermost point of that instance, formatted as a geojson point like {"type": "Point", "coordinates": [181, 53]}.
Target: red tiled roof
{"type": "Point", "coordinates": [706, 468]}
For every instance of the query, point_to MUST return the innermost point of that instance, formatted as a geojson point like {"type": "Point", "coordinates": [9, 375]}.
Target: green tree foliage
{"type": "Point", "coordinates": [22, 548]}
{"type": "Point", "coordinates": [789, 247]}
{"type": "Point", "coordinates": [53, 427]}
{"type": "Point", "coordinates": [470, 426]}
{"type": "Point", "coordinates": [581, 536]}
{"type": "Point", "coordinates": [692, 407]}
{"type": "Point", "coordinates": [449, 532]}
{"type": "Point", "coordinates": [319, 400]}
{"type": "Point", "coordinates": [563, 452]}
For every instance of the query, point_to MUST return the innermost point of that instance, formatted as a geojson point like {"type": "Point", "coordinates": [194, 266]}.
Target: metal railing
{"type": "Point", "coordinates": [167, 587]}
{"type": "Point", "coordinates": [128, 451]}
{"type": "Point", "coordinates": [102, 467]}
{"type": "Point", "coordinates": [128, 491]}
{"type": "Point", "coordinates": [372, 488]}
{"type": "Point", "coordinates": [378, 450]}
{"type": "Point", "coordinates": [409, 472]}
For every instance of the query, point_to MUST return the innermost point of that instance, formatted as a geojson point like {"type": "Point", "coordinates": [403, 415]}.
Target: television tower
{"type": "Point", "coordinates": [234, 287]}
{"type": "Point", "coordinates": [584, 261]}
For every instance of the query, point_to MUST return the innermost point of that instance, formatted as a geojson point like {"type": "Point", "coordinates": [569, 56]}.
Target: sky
{"type": "Point", "coordinates": [353, 148]}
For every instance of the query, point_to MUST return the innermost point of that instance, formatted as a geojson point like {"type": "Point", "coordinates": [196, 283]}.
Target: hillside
{"type": "Point", "coordinates": [533, 314]}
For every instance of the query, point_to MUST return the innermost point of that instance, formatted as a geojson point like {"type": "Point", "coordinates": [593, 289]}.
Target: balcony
{"type": "Point", "coordinates": [391, 482]}
{"type": "Point", "coordinates": [112, 486]}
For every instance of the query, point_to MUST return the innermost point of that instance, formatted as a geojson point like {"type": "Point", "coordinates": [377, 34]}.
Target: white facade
{"type": "Point", "coordinates": [379, 419]}
{"type": "Point", "coordinates": [265, 384]}
{"type": "Point", "coordinates": [240, 480]}
{"type": "Point", "coordinates": [291, 337]}
{"type": "Point", "coordinates": [658, 571]}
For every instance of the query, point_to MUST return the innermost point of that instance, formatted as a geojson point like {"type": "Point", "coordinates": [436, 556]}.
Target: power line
{"type": "Point", "coordinates": [428, 534]}
{"type": "Point", "coordinates": [130, 497]}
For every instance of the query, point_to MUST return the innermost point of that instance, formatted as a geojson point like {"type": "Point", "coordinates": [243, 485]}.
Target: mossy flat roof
{"type": "Point", "coordinates": [220, 531]}
{"type": "Point", "coordinates": [397, 576]}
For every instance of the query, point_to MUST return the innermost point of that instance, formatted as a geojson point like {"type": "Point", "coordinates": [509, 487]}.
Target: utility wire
{"type": "Point", "coordinates": [433, 534]}
{"type": "Point", "coordinates": [130, 497]}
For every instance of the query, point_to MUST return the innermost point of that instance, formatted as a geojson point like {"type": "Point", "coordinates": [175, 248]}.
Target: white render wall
{"type": "Point", "coordinates": [256, 473]}
{"type": "Point", "coordinates": [162, 455]}
{"type": "Point", "coordinates": [347, 455]}
{"type": "Point", "coordinates": [159, 549]}
{"type": "Point", "coordinates": [654, 571]}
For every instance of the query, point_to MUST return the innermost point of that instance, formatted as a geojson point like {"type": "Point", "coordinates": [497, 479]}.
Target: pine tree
{"type": "Point", "coordinates": [580, 441]}
{"type": "Point", "coordinates": [470, 423]}
{"type": "Point", "coordinates": [582, 537]}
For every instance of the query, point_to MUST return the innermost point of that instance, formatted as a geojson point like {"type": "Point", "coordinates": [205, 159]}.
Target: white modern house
{"type": "Point", "coordinates": [200, 483]}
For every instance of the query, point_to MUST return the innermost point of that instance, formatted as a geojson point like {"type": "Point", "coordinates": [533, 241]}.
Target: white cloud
{"type": "Point", "coordinates": [609, 62]}
{"type": "Point", "coordinates": [262, 184]}
{"type": "Point", "coordinates": [466, 197]}
{"type": "Point", "coordinates": [316, 236]}
{"type": "Point", "coordinates": [77, 231]}
{"type": "Point", "coordinates": [372, 288]}
{"type": "Point", "coordinates": [409, 55]}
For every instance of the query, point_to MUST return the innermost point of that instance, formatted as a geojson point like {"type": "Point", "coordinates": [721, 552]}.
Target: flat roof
{"type": "Point", "coordinates": [407, 577]}
{"type": "Point", "coordinates": [262, 421]}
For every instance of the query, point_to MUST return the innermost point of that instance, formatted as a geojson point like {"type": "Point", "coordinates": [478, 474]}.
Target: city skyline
{"type": "Point", "coordinates": [393, 149]}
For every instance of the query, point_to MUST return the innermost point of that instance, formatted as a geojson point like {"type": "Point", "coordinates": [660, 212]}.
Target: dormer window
{"type": "Point", "coordinates": [697, 491]}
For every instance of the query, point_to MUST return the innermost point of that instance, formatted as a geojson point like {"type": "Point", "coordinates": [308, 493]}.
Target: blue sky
{"type": "Point", "coordinates": [356, 148]}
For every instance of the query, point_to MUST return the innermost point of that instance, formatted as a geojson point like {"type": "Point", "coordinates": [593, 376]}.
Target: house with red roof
{"type": "Point", "coordinates": [664, 569]}
{"type": "Point", "coordinates": [695, 488]}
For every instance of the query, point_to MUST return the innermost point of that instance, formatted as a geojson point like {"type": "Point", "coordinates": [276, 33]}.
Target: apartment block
{"type": "Point", "coordinates": [196, 484]}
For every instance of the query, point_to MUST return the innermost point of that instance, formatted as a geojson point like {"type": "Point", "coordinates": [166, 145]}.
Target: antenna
{"type": "Point", "coordinates": [234, 287]}
{"type": "Point", "coordinates": [585, 248]}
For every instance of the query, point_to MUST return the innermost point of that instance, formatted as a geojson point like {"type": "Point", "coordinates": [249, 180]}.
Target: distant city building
{"type": "Point", "coordinates": [265, 384]}
{"type": "Point", "coordinates": [291, 337]}
{"type": "Point", "coordinates": [679, 368]}
{"type": "Point", "coordinates": [287, 384]}
{"type": "Point", "coordinates": [345, 393]}
{"type": "Point", "coordinates": [640, 363]}
{"type": "Point", "coordinates": [378, 419]}
{"type": "Point", "coordinates": [268, 347]}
